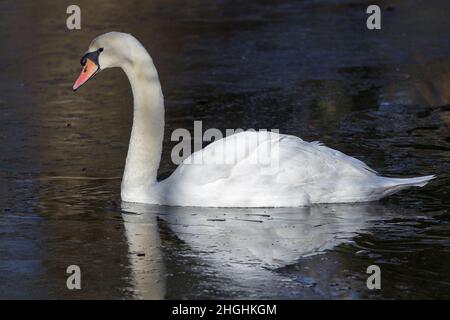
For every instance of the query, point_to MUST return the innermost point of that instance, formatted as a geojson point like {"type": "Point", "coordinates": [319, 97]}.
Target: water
{"type": "Point", "coordinates": [306, 68]}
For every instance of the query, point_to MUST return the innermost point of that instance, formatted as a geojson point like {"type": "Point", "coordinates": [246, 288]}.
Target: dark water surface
{"type": "Point", "coordinates": [307, 68]}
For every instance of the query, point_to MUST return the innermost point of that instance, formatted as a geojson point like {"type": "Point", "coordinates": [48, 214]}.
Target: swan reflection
{"type": "Point", "coordinates": [239, 243]}
{"type": "Point", "coordinates": [144, 251]}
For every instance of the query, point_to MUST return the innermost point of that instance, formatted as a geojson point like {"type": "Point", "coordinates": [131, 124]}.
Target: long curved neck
{"type": "Point", "coordinates": [144, 151]}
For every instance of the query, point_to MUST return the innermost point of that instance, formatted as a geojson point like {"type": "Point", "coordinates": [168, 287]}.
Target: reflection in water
{"type": "Point", "coordinates": [251, 243]}
{"type": "Point", "coordinates": [144, 251]}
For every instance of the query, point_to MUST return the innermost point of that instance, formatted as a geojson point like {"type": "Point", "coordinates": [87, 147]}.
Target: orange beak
{"type": "Point", "coordinates": [88, 71]}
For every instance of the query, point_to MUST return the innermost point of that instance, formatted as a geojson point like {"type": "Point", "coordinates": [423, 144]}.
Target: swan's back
{"type": "Point", "coordinates": [266, 169]}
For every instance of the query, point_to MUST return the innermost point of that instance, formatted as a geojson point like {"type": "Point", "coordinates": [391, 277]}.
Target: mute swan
{"type": "Point", "coordinates": [304, 173]}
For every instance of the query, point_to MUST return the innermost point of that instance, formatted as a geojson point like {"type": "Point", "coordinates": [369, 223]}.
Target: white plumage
{"type": "Point", "coordinates": [247, 169]}
{"type": "Point", "coordinates": [298, 173]}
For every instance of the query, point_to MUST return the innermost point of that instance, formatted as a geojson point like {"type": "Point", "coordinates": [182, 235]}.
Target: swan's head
{"type": "Point", "coordinates": [109, 50]}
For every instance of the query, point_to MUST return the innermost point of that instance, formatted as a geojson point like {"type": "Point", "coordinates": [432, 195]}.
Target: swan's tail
{"type": "Point", "coordinates": [394, 185]}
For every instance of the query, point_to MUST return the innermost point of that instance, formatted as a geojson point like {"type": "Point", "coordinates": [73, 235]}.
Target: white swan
{"type": "Point", "coordinates": [228, 172]}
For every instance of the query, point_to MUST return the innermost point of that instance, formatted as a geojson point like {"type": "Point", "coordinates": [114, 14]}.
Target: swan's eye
{"type": "Point", "coordinates": [100, 49]}
{"type": "Point", "coordinates": [92, 56]}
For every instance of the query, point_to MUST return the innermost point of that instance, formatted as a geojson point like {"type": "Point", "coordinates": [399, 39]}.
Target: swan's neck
{"type": "Point", "coordinates": [144, 151]}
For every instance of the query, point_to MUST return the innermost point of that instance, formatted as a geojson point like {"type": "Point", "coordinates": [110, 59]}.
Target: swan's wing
{"type": "Point", "coordinates": [265, 169]}
{"type": "Point", "coordinates": [220, 159]}
{"type": "Point", "coordinates": [339, 155]}
{"type": "Point", "coordinates": [308, 162]}
{"type": "Point", "coordinates": [289, 155]}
